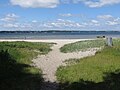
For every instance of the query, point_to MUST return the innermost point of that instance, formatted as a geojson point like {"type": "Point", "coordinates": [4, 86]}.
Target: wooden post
{"type": "Point", "coordinates": [109, 41]}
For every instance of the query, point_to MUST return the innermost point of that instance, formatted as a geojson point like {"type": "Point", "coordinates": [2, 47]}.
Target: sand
{"type": "Point", "coordinates": [50, 62]}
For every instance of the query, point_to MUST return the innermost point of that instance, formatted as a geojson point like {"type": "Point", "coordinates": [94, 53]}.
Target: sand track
{"type": "Point", "coordinates": [50, 62]}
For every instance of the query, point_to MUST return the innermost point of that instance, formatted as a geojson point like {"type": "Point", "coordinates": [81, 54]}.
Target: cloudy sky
{"type": "Point", "coordinates": [59, 15]}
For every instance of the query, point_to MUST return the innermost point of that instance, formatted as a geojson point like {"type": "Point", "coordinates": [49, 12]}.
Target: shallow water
{"type": "Point", "coordinates": [57, 35]}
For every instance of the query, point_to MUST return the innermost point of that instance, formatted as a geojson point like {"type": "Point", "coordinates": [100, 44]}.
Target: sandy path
{"type": "Point", "coordinates": [50, 62]}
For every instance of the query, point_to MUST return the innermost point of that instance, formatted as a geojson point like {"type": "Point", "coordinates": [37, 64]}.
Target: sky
{"type": "Point", "coordinates": [37, 15]}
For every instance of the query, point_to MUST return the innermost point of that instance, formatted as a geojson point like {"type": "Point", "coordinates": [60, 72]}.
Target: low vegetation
{"type": "Point", "coordinates": [16, 72]}
{"type": "Point", "coordinates": [82, 45]}
{"type": "Point", "coordinates": [99, 72]}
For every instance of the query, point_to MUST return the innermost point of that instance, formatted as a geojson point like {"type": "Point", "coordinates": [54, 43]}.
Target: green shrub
{"type": "Point", "coordinates": [93, 72]}
{"type": "Point", "coordinates": [82, 45]}
{"type": "Point", "coordinates": [16, 73]}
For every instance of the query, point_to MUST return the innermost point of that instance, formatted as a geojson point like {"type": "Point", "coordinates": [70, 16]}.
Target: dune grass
{"type": "Point", "coordinates": [99, 72]}
{"type": "Point", "coordinates": [16, 73]}
{"type": "Point", "coordinates": [82, 45]}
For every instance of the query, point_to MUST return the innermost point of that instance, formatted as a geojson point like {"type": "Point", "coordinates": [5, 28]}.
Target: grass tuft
{"type": "Point", "coordinates": [97, 72]}
{"type": "Point", "coordinates": [16, 73]}
{"type": "Point", "coordinates": [82, 45]}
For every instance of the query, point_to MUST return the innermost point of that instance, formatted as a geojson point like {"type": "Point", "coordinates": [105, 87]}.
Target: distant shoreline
{"type": "Point", "coordinates": [57, 34]}
{"type": "Point", "coordinates": [61, 31]}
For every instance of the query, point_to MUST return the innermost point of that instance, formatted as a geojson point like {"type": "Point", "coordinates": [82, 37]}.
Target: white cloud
{"type": "Point", "coordinates": [73, 15]}
{"type": "Point", "coordinates": [105, 17]}
{"type": "Point", "coordinates": [101, 3]}
{"type": "Point", "coordinates": [46, 25]}
{"type": "Point", "coordinates": [97, 3]}
{"type": "Point", "coordinates": [12, 15]}
{"type": "Point", "coordinates": [109, 20]}
{"type": "Point", "coordinates": [62, 24]}
{"type": "Point", "coordinates": [9, 17]}
{"type": "Point", "coordinates": [66, 15]}
{"type": "Point", "coordinates": [99, 23]}
{"type": "Point", "coordinates": [34, 21]}
{"type": "Point", "coordinates": [111, 23]}
{"type": "Point", "coordinates": [54, 3]}
{"type": "Point", "coordinates": [36, 3]}
{"type": "Point", "coordinates": [69, 23]}
{"type": "Point", "coordinates": [117, 19]}
{"type": "Point", "coordinates": [94, 21]}
{"type": "Point", "coordinates": [10, 25]}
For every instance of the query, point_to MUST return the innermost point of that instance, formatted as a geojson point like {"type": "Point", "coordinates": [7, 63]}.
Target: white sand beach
{"type": "Point", "coordinates": [50, 62]}
{"type": "Point", "coordinates": [62, 41]}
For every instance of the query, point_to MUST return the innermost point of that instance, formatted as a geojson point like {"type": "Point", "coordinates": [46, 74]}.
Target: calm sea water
{"type": "Point", "coordinates": [58, 35]}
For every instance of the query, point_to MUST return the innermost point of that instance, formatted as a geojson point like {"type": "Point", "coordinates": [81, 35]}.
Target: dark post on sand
{"type": "Point", "coordinates": [109, 41]}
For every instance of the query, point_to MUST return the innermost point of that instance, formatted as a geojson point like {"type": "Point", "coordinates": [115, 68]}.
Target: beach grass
{"type": "Point", "coordinates": [16, 70]}
{"type": "Point", "coordinates": [99, 72]}
{"type": "Point", "coordinates": [82, 45]}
